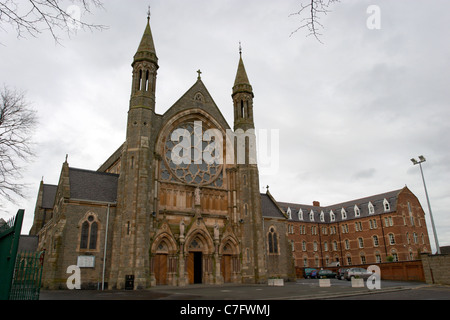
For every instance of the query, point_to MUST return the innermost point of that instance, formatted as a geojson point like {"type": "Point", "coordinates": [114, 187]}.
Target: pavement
{"type": "Point", "coordinates": [302, 289]}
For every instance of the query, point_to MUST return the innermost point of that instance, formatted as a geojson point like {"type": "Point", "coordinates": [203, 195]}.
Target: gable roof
{"type": "Point", "coordinates": [269, 207]}
{"type": "Point", "coordinates": [348, 206]}
{"type": "Point", "coordinates": [48, 195]}
{"type": "Point", "coordinates": [93, 185]}
{"type": "Point", "coordinates": [187, 101]}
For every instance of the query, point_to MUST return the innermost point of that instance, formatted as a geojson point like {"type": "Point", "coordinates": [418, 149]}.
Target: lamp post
{"type": "Point", "coordinates": [414, 161]}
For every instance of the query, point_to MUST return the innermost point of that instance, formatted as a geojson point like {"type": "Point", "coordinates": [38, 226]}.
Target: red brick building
{"type": "Point", "coordinates": [385, 227]}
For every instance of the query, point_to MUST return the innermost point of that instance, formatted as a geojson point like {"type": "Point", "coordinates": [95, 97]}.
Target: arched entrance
{"type": "Point", "coordinates": [229, 264]}
{"type": "Point", "coordinates": [160, 263]}
{"type": "Point", "coordinates": [194, 264]}
{"type": "Point", "coordinates": [163, 260]}
{"type": "Point", "coordinates": [199, 261]}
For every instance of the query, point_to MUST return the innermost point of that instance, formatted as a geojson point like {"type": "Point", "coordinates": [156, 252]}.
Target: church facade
{"type": "Point", "coordinates": [179, 201]}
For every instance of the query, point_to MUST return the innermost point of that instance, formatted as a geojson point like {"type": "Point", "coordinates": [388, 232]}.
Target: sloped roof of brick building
{"type": "Point", "coordinates": [349, 206]}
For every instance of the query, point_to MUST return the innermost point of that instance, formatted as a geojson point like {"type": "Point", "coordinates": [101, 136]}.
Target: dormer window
{"type": "Point", "coordinates": [357, 211]}
{"type": "Point", "coordinates": [288, 211]}
{"type": "Point", "coordinates": [386, 205]}
{"type": "Point", "coordinates": [343, 213]}
{"type": "Point", "coordinates": [311, 216]}
{"type": "Point", "coordinates": [371, 208]}
{"type": "Point", "coordinates": [300, 214]}
{"type": "Point", "coordinates": [332, 216]}
{"type": "Point", "coordinates": [322, 217]}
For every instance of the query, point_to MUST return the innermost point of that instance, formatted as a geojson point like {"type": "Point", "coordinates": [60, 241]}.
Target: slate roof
{"type": "Point", "coordinates": [28, 243]}
{"type": "Point", "coordinates": [48, 195]}
{"type": "Point", "coordinates": [93, 185]}
{"type": "Point", "coordinates": [363, 205]}
{"type": "Point", "coordinates": [269, 208]}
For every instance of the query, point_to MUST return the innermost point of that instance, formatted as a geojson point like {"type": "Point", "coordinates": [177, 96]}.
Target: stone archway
{"type": "Point", "coordinates": [199, 258]}
{"type": "Point", "coordinates": [229, 264]}
{"type": "Point", "coordinates": [164, 261]}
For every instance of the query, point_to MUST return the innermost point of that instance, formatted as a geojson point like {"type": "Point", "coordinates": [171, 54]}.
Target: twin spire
{"type": "Point", "coordinates": [146, 49]}
{"type": "Point", "coordinates": [146, 52]}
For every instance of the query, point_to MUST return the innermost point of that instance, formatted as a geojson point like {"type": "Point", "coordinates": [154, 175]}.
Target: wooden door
{"type": "Point", "coordinates": [226, 268]}
{"type": "Point", "coordinates": [190, 267]}
{"type": "Point", "coordinates": [194, 267]}
{"type": "Point", "coordinates": [161, 269]}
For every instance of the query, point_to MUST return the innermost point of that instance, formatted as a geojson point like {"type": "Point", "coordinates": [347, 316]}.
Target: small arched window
{"type": "Point", "coordinates": [386, 205]}
{"type": "Point", "coordinates": [371, 208]}
{"type": "Point", "coordinates": [332, 216]}
{"type": "Point", "coordinates": [243, 113]}
{"type": "Point", "coordinates": [357, 211]}
{"type": "Point", "coordinates": [300, 214]}
{"type": "Point", "coordinates": [343, 213]}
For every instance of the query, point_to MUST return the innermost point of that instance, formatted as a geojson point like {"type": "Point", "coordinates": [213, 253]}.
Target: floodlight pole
{"type": "Point", "coordinates": [422, 159]}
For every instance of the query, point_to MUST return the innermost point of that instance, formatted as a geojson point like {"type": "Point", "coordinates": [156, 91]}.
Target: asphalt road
{"type": "Point", "coordinates": [302, 289]}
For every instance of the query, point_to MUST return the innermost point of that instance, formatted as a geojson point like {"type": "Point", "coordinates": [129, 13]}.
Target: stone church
{"type": "Point", "coordinates": [178, 203]}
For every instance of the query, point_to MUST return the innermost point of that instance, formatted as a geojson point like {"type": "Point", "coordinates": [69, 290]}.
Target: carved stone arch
{"type": "Point", "coordinates": [164, 235]}
{"type": "Point", "coordinates": [199, 252]}
{"type": "Point", "coordinates": [229, 245]}
{"type": "Point", "coordinates": [167, 241]}
{"type": "Point", "coordinates": [199, 97]}
{"type": "Point", "coordinates": [199, 239]}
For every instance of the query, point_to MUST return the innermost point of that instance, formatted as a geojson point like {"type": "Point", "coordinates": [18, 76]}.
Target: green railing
{"type": "Point", "coordinates": [26, 284]}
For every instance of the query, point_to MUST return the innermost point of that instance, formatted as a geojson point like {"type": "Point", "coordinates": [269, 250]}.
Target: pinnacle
{"type": "Point", "coordinates": [146, 49]}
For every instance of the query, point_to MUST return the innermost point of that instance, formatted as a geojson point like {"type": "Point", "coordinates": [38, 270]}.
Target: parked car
{"type": "Point", "coordinates": [341, 273]}
{"type": "Point", "coordinates": [357, 273]}
{"type": "Point", "coordinates": [309, 273]}
{"type": "Point", "coordinates": [326, 274]}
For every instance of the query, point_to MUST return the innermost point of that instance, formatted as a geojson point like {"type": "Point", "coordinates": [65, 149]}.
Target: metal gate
{"type": "Point", "coordinates": [9, 242]}
{"type": "Point", "coordinates": [27, 276]}
{"type": "Point", "coordinates": [20, 273]}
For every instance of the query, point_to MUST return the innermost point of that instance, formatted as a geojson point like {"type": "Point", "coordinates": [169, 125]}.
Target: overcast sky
{"type": "Point", "coordinates": [351, 111]}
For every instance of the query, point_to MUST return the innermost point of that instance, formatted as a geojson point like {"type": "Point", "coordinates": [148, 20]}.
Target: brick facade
{"type": "Point", "coordinates": [398, 233]}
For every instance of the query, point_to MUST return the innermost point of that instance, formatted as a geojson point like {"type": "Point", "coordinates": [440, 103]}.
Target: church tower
{"type": "Point", "coordinates": [253, 245]}
{"type": "Point", "coordinates": [130, 262]}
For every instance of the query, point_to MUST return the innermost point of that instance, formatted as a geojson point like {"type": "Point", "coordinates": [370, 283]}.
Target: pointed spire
{"type": "Point", "coordinates": [146, 49]}
{"type": "Point", "coordinates": [241, 83]}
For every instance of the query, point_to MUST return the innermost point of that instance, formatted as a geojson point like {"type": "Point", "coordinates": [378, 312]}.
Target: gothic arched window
{"type": "Point", "coordinates": [272, 239]}
{"type": "Point", "coordinates": [89, 233]}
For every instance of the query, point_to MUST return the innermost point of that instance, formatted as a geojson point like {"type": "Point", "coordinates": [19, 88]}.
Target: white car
{"type": "Point", "coordinates": [357, 273]}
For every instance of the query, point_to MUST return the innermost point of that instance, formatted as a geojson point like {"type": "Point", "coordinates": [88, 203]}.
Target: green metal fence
{"type": "Point", "coordinates": [27, 276]}
{"type": "Point", "coordinates": [9, 243]}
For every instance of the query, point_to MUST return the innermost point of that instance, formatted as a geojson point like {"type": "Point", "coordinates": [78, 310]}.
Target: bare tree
{"type": "Point", "coordinates": [32, 17]}
{"type": "Point", "coordinates": [310, 14]}
{"type": "Point", "coordinates": [17, 123]}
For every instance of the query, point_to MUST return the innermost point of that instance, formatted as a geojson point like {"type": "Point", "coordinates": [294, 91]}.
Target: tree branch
{"type": "Point", "coordinates": [33, 17]}
{"type": "Point", "coordinates": [310, 14]}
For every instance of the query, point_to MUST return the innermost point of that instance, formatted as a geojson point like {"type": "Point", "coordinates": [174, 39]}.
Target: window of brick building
{"type": "Point", "coordinates": [391, 239]}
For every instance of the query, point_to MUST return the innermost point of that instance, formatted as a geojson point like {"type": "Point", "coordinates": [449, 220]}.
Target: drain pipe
{"type": "Point", "coordinates": [106, 244]}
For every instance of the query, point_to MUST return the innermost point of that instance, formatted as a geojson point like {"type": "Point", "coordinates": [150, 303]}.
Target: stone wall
{"type": "Point", "coordinates": [436, 268]}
